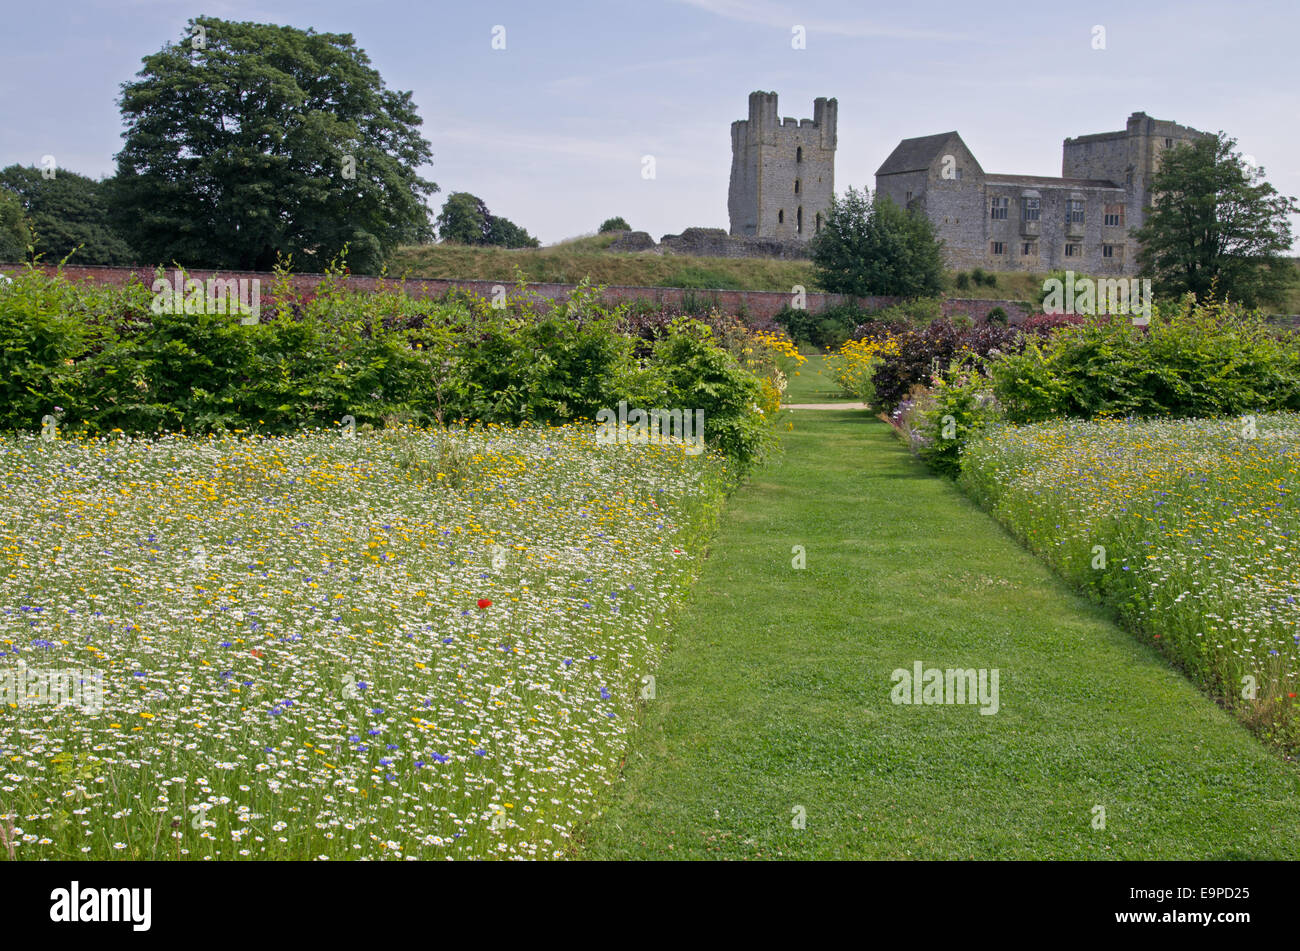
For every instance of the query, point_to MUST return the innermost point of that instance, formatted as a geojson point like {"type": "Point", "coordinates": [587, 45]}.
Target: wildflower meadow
{"type": "Point", "coordinates": [1190, 528]}
{"type": "Point", "coordinates": [403, 644]}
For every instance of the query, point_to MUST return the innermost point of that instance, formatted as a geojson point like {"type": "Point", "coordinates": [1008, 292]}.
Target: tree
{"type": "Point", "coordinates": [506, 234]}
{"type": "Point", "coordinates": [14, 233]}
{"type": "Point", "coordinates": [1216, 223]}
{"type": "Point", "coordinates": [465, 219]}
{"type": "Point", "coordinates": [66, 211]}
{"type": "Point", "coordinates": [868, 248]}
{"type": "Point", "coordinates": [247, 140]}
{"type": "Point", "coordinates": [615, 224]}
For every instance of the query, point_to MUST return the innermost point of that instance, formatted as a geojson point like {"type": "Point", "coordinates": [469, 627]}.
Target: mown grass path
{"type": "Point", "coordinates": [775, 697]}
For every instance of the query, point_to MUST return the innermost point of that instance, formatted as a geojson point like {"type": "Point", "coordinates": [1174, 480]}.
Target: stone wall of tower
{"type": "Point", "coordinates": [1129, 158]}
{"type": "Point", "coordinates": [782, 171]}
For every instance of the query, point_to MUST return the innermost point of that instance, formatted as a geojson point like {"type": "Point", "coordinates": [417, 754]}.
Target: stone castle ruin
{"type": "Point", "coordinates": [783, 179]}
{"type": "Point", "coordinates": [782, 170]}
{"type": "Point", "coordinates": [1080, 221]}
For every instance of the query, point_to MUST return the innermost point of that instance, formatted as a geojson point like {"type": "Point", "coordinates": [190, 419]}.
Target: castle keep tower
{"type": "Point", "coordinates": [782, 170]}
{"type": "Point", "coordinates": [1129, 158]}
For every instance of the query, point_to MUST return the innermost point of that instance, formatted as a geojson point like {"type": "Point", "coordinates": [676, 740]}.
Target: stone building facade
{"type": "Point", "coordinates": [1080, 221]}
{"type": "Point", "coordinates": [782, 170]}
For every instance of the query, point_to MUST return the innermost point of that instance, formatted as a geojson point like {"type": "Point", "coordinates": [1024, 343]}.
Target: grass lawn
{"type": "Point", "coordinates": [774, 701]}
{"type": "Point", "coordinates": [812, 385]}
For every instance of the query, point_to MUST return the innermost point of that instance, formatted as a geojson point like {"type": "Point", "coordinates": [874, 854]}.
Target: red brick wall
{"type": "Point", "coordinates": [760, 305]}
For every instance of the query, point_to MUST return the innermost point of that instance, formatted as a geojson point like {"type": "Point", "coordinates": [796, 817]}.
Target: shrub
{"type": "Point", "coordinates": [918, 312]}
{"type": "Point", "coordinates": [690, 371]}
{"type": "Point", "coordinates": [47, 324]}
{"type": "Point", "coordinates": [922, 352]}
{"type": "Point", "coordinates": [1198, 360]}
{"type": "Point", "coordinates": [997, 315]}
{"type": "Point", "coordinates": [963, 280]}
{"type": "Point", "coordinates": [959, 405]}
{"type": "Point", "coordinates": [614, 224]}
{"type": "Point", "coordinates": [547, 370]}
{"type": "Point", "coordinates": [826, 329]}
{"type": "Point", "coordinates": [100, 355]}
{"type": "Point", "coordinates": [853, 367]}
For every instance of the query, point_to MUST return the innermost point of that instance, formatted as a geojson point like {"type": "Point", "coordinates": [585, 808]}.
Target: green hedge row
{"type": "Point", "coordinates": [101, 357]}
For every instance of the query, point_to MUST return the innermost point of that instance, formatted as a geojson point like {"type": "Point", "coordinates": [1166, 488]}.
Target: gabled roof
{"type": "Point", "coordinates": [915, 155]}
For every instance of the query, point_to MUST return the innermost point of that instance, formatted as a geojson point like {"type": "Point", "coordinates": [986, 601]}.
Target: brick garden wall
{"type": "Point", "coordinates": [758, 305]}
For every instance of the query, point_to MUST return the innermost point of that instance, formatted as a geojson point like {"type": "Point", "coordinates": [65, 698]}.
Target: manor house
{"type": "Point", "coordinates": [1080, 221]}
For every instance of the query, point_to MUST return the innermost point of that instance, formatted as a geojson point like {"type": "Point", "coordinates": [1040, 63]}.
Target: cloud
{"type": "Point", "coordinates": [762, 13]}
{"type": "Point", "coordinates": [584, 80]}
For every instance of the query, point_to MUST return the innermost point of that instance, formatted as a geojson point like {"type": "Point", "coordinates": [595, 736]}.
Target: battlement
{"type": "Point", "coordinates": [782, 170]}
{"type": "Point", "coordinates": [1138, 124]}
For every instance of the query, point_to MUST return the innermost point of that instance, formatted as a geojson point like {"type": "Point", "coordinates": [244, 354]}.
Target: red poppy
{"type": "Point", "coordinates": [256, 653]}
{"type": "Point", "coordinates": [484, 603]}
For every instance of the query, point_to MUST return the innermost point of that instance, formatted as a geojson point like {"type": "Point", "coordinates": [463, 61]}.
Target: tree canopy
{"type": "Point", "coordinates": [1216, 223]}
{"type": "Point", "coordinates": [868, 248]}
{"type": "Point", "coordinates": [248, 140]}
{"type": "Point", "coordinates": [65, 211]}
{"type": "Point", "coordinates": [465, 219]}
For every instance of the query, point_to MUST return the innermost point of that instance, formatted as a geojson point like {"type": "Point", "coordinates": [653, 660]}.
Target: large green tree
{"type": "Point", "coordinates": [465, 219]}
{"type": "Point", "coordinates": [867, 248]}
{"type": "Point", "coordinates": [65, 211]}
{"type": "Point", "coordinates": [245, 140]}
{"type": "Point", "coordinates": [1215, 222]}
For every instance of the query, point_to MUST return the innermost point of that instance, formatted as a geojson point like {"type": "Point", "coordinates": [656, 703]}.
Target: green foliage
{"type": "Point", "coordinates": [263, 140]}
{"type": "Point", "coordinates": [997, 315]}
{"type": "Point", "coordinates": [506, 234]}
{"type": "Point", "coordinates": [542, 368]}
{"type": "Point", "coordinates": [614, 224]}
{"type": "Point", "coordinates": [1217, 228]}
{"type": "Point", "coordinates": [869, 248]}
{"type": "Point", "coordinates": [960, 404]}
{"type": "Point", "coordinates": [1202, 359]}
{"type": "Point", "coordinates": [99, 358]}
{"type": "Point", "coordinates": [67, 213]}
{"type": "Point", "coordinates": [465, 219]}
{"type": "Point", "coordinates": [920, 312]}
{"type": "Point", "coordinates": [42, 333]}
{"type": "Point", "coordinates": [689, 371]}
{"type": "Point", "coordinates": [827, 329]}
{"type": "Point", "coordinates": [14, 232]}
{"type": "Point", "coordinates": [962, 281]}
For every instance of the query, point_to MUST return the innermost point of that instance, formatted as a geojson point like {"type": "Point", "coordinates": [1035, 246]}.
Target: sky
{"type": "Point", "coordinates": [551, 131]}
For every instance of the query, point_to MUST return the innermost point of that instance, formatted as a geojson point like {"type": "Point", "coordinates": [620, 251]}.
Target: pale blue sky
{"type": "Point", "coordinates": [550, 131]}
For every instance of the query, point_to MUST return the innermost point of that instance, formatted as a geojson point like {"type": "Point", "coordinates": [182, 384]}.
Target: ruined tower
{"type": "Point", "coordinates": [782, 170]}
